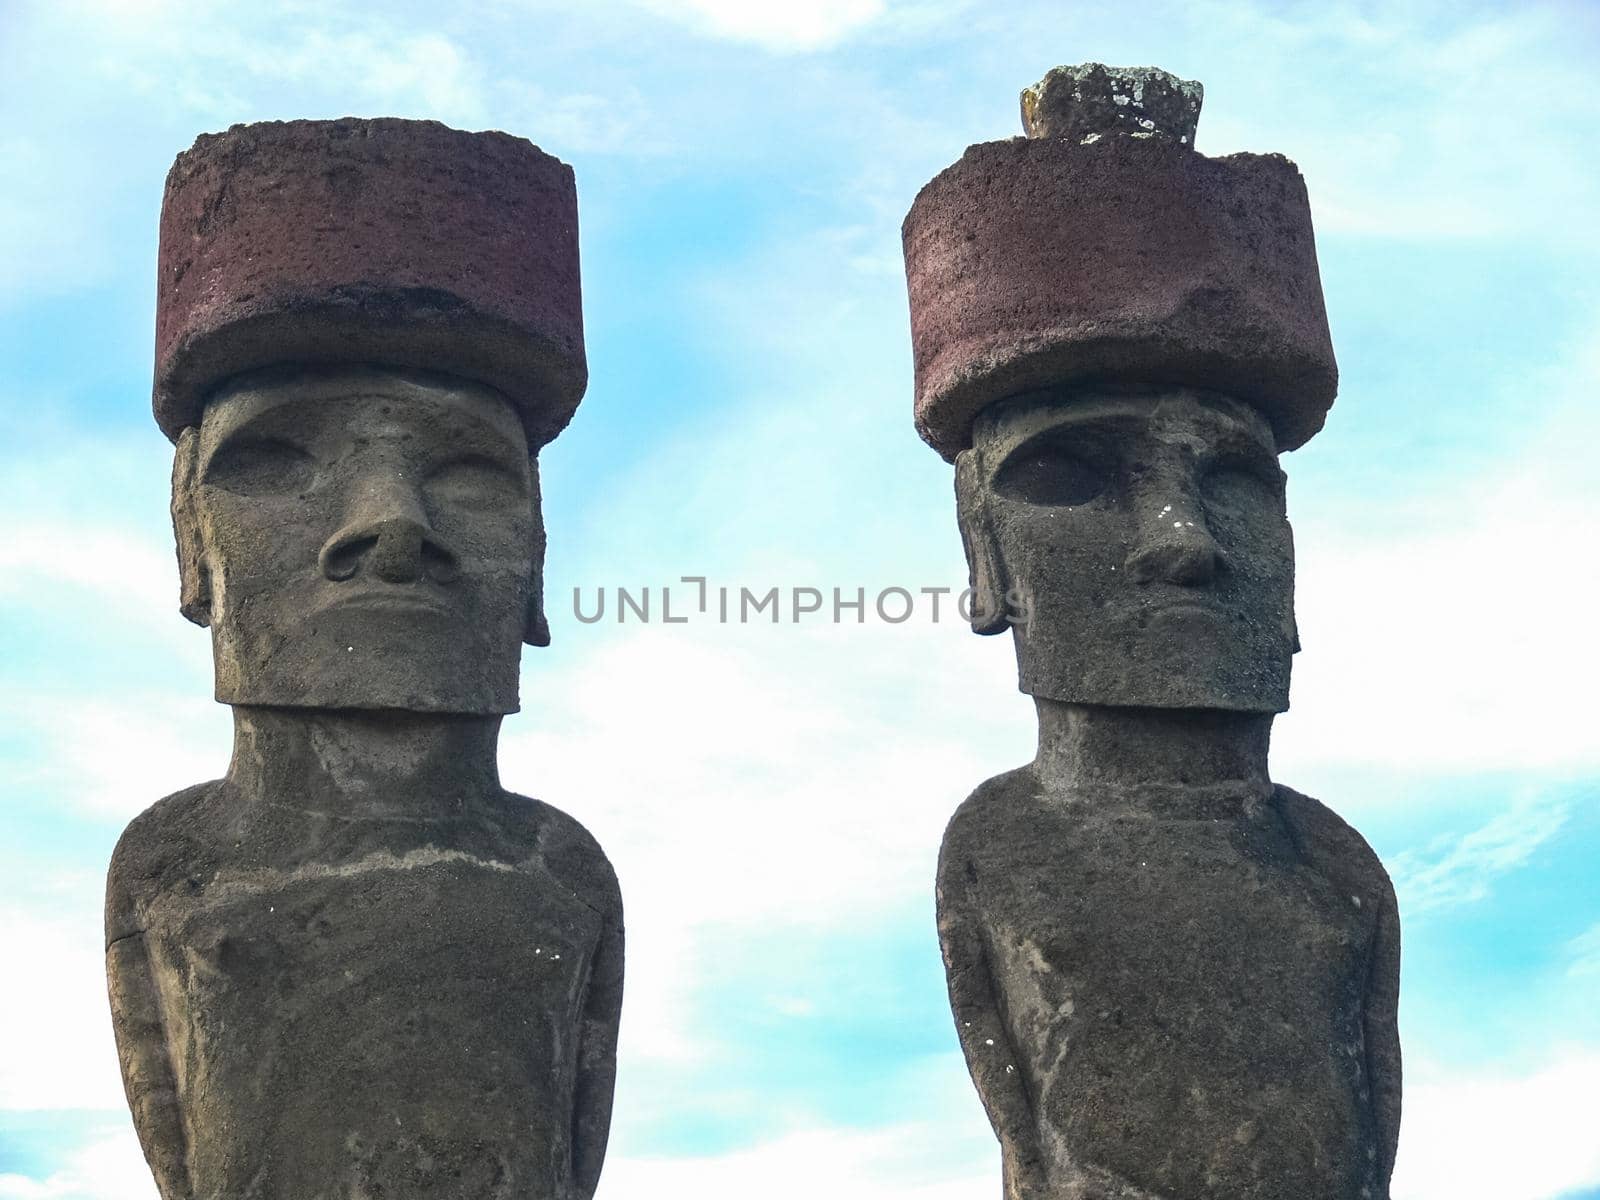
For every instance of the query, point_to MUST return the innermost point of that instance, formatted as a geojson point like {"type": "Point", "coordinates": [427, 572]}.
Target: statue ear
{"type": "Point", "coordinates": [977, 539]}
{"type": "Point", "coordinates": [194, 597]}
{"type": "Point", "coordinates": [1294, 619]}
{"type": "Point", "coordinates": [536, 629]}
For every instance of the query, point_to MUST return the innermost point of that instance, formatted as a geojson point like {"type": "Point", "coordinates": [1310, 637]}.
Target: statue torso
{"type": "Point", "coordinates": [395, 1013]}
{"type": "Point", "coordinates": [1183, 993]}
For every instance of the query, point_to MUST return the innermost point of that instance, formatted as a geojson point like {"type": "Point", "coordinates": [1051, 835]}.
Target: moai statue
{"type": "Point", "coordinates": [355, 967]}
{"type": "Point", "coordinates": [1171, 977]}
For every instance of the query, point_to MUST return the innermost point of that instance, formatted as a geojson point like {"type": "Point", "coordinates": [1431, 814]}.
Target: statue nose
{"type": "Point", "coordinates": [394, 542]}
{"type": "Point", "coordinates": [1176, 550]}
{"type": "Point", "coordinates": [1187, 563]}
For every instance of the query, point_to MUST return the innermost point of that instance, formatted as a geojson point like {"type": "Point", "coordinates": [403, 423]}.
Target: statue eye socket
{"type": "Point", "coordinates": [474, 482]}
{"type": "Point", "coordinates": [260, 467]}
{"type": "Point", "coordinates": [1053, 474]}
{"type": "Point", "coordinates": [1240, 484]}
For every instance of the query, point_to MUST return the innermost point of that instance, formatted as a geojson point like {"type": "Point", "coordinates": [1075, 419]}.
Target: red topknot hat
{"type": "Point", "coordinates": [1103, 248]}
{"type": "Point", "coordinates": [398, 243]}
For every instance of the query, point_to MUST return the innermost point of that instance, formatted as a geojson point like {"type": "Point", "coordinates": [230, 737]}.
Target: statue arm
{"type": "Point", "coordinates": [997, 1071]}
{"type": "Point", "coordinates": [1342, 855]}
{"type": "Point", "coordinates": [597, 1060]}
{"type": "Point", "coordinates": [147, 1075]}
{"type": "Point", "coordinates": [1382, 1032]}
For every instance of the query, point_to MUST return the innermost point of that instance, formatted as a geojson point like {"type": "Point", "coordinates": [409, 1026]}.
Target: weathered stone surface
{"type": "Point", "coordinates": [307, 500]}
{"type": "Point", "coordinates": [394, 981]}
{"type": "Point", "coordinates": [1036, 262]}
{"type": "Point", "coordinates": [1172, 978]}
{"type": "Point", "coordinates": [400, 242]}
{"type": "Point", "coordinates": [1150, 524]}
{"type": "Point", "coordinates": [1173, 990]}
{"type": "Point", "coordinates": [1094, 101]}
{"type": "Point", "coordinates": [356, 967]}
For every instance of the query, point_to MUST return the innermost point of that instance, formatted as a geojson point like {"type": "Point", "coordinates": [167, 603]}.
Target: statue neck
{"type": "Point", "coordinates": [1152, 749]}
{"type": "Point", "coordinates": [364, 763]}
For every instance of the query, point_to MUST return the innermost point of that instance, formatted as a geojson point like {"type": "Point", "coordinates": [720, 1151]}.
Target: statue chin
{"type": "Point", "coordinates": [1172, 668]}
{"type": "Point", "coordinates": [362, 663]}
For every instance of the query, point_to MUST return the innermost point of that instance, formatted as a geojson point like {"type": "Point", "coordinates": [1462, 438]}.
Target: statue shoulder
{"type": "Point", "coordinates": [996, 808]}
{"type": "Point", "coordinates": [568, 850]}
{"type": "Point", "coordinates": [1333, 846]}
{"type": "Point", "coordinates": [170, 840]}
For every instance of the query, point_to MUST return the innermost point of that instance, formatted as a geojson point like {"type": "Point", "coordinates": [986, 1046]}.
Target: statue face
{"type": "Point", "coordinates": [1148, 528]}
{"type": "Point", "coordinates": [360, 539]}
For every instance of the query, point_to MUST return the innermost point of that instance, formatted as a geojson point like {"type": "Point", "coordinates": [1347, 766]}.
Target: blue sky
{"type": "Point", "coordinates": [773, 796]}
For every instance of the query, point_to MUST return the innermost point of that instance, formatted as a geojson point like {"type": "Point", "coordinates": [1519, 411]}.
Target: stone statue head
{"type": "Point", "coordinates": [1146, 526]}
{"type": "Point", "coordinates": [1114, 337]}
{"type": "Point", "coordinates": [365, 332]}
{"type": "Point", "coordinates": [361, 538]}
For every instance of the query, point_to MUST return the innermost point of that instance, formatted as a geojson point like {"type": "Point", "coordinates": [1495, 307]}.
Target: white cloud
{"type": "Point", "coordinates": [114, 756]}
{"type": "Point", "coordinates": [51, 239]}
{"type": "Point", "coordinates": [422, 72]}
{"type": "Point", "coordinates": [59, 1048]}
{"type": "Point", "coordinates": [1476, 1136]}
{"type": "Point", "coordinates": [895, 1162]}
{"type": "Point", "coordinates": [109, 1168]}
{"type": "Point", "coordinates": [42, 555]}
{"type": "Point", "coordinates": [583, 122]}
{"type": "Point", "coordinates": [1499, 1136]}
{"type": "Point", "coordinates": [227, 62]}
{"type": "Point", "coordinates": [1461, 870]}
{"type": "Point", "coordinates": [779, 25]}
{"type": "Point", "coordinates": [1583, 952]}
{"type": "Point", "coordinates": [112, 751]}
{"type": "Point", "coordinates": [734, 780]}
{"type": "Point", "coordinates": [1386, 114]}
{"type": "Point", "coordinates": [750, 776]}
{"type": "Point", "coordinates": [132, 83]}
{"type": "Point", "coordinates": [78, 562]}
{"type": "Point", "coordinates": [1453, 633]}
{"type": "Point", "coordinates": [898, 1162]}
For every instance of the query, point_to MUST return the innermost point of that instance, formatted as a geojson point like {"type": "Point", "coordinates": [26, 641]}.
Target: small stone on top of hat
{"type": "Point", "coordinates": [1086, 103]}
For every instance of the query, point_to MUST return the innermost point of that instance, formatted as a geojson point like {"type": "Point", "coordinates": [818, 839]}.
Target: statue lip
{"type": "Point", "coordinates": [393, 599]}
{"type": "Point", "coordinates": [1186, 606]}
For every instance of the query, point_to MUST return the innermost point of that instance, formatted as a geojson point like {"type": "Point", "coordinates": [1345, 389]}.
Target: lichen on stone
{"type": "Point", "coordinates": [1089, 102]}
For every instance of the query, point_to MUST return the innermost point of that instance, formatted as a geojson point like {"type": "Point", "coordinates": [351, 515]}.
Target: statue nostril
{"type": "Point", "coordinates": [440, 564]}
{"type": "Point", "coordinates": [1190, 562]}
{"type": "Point", "coordinates": [341, 558]}
{"type": "Point", "coordinates": [395, 551]}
